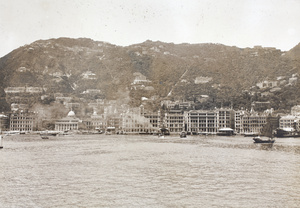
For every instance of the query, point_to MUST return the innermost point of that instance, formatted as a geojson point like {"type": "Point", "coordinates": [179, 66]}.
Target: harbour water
{"type": "Point", "coordinates": [147, 171]}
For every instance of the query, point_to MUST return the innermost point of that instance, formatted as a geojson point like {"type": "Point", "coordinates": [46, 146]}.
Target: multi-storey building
{"type": "Point", "coordinates": [238, 115]}
{"type": "Point", "coordinates": [202, 121]}
{"type": "Point", "coordinates": [154, 118]}
{"type": "Point", "coordinates": [289, 121]}
{"type": "Point", "coordinates": [225, 118]}
{"type": "Point", "coordinates": [253, 123]}
{"type": "Point", "coordinates": [177, 104]}
{"type": "Point", "coordinates": [95, 122]}
{"type": "Point", "coordinates": [22, 121]}
{"type": "Point", "coordinates": [210, 121]}
{"type": "Point", "coordinates": [174, 121]}
{"type": "Point", "coordinates": [114, 121]}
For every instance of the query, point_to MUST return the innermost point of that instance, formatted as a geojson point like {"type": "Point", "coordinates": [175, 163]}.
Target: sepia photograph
{"type": "Point", "coordinates": [149, 103]}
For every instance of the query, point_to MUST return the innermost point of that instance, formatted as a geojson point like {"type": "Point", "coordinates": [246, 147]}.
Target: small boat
{"type": "Point", "coordinates": [225, 132]}
{"type": "Point", "coordinates": [251, 134]}
{"type": "Point", "coordinates": [183, 134]}
{"type": "Point", "coordinates": [47, 134]}
{"type": "Point", "coordinates": [1, 142]}
{"type": "Point", "coordinates": [161, 136]}
{"type": "Point", "coordinates": [108, 133]}
{"type": "Point", "coordinates": [258, 139]}
{"type": "Point", "coordinates": [164, 131]}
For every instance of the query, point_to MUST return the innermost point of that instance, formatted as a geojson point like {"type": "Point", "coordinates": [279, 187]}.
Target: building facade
{"type": "Point", "coordinates": [289, 121]}
{"type": "Point", "coordinates": [174, 121]}
{"type": "Point", "coordinates": [69, 123]}
{"type": "Point", "coordinates": [202, 121]}
{"type": "Point", "coordinates": [253, 123]}
{"type": "Point", "coordinates": [22, 121]}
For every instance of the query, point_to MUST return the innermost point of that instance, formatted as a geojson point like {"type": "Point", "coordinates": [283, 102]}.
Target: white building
{"type": "Point", "coordinates": [68, 123]}
{"type": "Point", "coordinates": [289, 122]}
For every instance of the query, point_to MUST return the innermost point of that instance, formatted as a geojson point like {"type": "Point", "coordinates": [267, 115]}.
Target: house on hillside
{"type": "Point", "coordinates": [267, 84]}
{"type": "Point", "coordinates": [293, 80]}
{"type": "Point", "coordinates": [140, 81]}
{"type": "Point", "coordinates": [88, 75]}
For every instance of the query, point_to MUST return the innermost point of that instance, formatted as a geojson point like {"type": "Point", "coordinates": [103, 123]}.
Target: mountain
{"type": "Point", "coordinates": [176, 71]}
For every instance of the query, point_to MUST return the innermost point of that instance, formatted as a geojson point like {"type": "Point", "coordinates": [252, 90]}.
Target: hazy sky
{"type": "Point", "coordinates": [243, 23]}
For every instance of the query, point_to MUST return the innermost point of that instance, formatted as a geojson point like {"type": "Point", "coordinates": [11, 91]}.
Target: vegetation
{"type": "Point", "coordinates": [60, 65]}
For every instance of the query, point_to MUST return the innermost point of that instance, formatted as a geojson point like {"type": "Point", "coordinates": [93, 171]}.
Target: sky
{"type": "Point", "coordinates": [241, 23]}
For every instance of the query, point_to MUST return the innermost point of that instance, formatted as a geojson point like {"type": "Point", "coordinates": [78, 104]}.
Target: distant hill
{"type": "Point", "coordinates": [176, 71]}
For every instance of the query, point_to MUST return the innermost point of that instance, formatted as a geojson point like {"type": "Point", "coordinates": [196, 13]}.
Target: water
{"type": "Point", "coordinates": [145, 171]}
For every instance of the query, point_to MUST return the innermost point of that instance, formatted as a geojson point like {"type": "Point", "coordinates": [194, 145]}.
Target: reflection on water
{"type": "Point", "coordinates": [145, 171]}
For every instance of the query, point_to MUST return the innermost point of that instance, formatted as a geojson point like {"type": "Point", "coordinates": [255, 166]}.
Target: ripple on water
{"type": "Point", "coordinates": [144, 171]}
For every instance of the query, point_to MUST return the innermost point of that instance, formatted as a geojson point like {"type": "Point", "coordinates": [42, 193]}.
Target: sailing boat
{"type": "Point", "coordinates": [268, 132]}
{"type": "Point", "coordinates": [1, 142]}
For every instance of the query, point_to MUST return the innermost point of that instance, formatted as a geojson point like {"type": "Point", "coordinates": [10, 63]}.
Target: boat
{"type": "Point", "coordinates": [225, 132]}
{"type": "Point", "coordinates": [251, 134]}
{"type": "Point", "coordinates": [183, 134]}
{"type": "Point", "coordinates": [164, 131]}
{"type": "Point", "coordinates": [267, 131]}
{"type": "Point", "coordinates": [286, 132]}
{"type": "Point", "coordinates": [1, 142]}
{"type": "Point", "coordinates": [47, 134]}
{"type": "Point", "coordinates": [161, 136]}
{"type": "Point", "coordinates": [258, 139]}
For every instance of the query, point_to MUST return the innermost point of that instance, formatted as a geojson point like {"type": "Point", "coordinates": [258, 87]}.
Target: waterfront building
{"type": "Point", "coordinates": [238, 116]}
{"type": "Point", "coordinates": [210, 121]}
{"type": "Point", "coordinates": [4, 122]}
{"type": "Point", "coordinates": [174, 121]}
{"type": "Point", "coordinates": [154, 118]}
{"type": "Point", "coordinates": [95, 122]}
{"type": "Point", "coordinates": [202, 121]}
{"type": "Point", "coordinates": [253, 123]}
{"type": "Point", "coordinates": [114, 121]}
{"type": "Point", "coordinates": [22, 121]}
{"type": "Point", "coordinates": [68, 123]}
{"type": "Point", "coordinates": [289, 121]}
{"type": "Point", "coordinates": [225, 118]}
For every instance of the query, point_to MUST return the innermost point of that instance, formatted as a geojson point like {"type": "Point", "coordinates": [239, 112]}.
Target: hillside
{"type": "Point", "coordinates": [175, 71]}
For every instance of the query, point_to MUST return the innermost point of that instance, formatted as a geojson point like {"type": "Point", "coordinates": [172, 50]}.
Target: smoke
{"type": "Point", "coordinates": [50, 112]}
